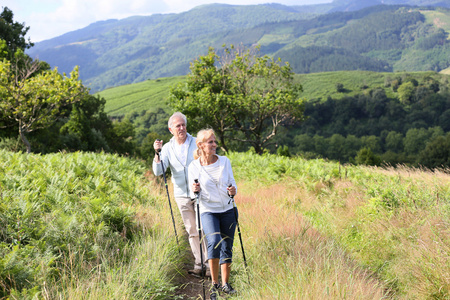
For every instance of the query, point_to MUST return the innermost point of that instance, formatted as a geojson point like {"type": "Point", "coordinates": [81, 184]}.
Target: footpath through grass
{"type": "Point", "coordinates": [83, 226]}
{"type": "Point", "coordinates": [317, 230]}
{"type": "Point", "coordinates": [97, 226]}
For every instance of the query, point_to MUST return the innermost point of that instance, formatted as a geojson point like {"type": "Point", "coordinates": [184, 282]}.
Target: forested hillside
{"type": "Point", "coordinates": [351, 116]}
{"type": "Point", "coordinates": [311, 38]}
{"type": "Point", "coordinates": [114, 52]}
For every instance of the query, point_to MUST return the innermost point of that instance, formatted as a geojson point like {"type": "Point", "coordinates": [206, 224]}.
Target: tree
{"type": "Point", "coordinates": [340, 87]}
{"type": "Point", "coordinates": [416, 140]}
{"type": "Point", "coordinates": [336, 145]}
{"type": "Point", "coordinates": [35, 99]}
{"type": "Point", "coordinates": [436, 153]}
{"type": "Point", "coordinates": [206, 98]}
{"type": "Point", "coordinates": [394, 141]}
{"type": "Point", "coordinates": [371, 142]}
{"type": "Point", "coordinates": [124, 133]}
{"type": "Point", "coordinates": [13, 33]}
{"type": "Point", "coordinates": [365, 156]}
{"type": "Point", "coordinates": [243, 96]}
{"type": "Point", "coordinates": [88, 128]}
{"type": "Point", "coordinates": [406, 92]}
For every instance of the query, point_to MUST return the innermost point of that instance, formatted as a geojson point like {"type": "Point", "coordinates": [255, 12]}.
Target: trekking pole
{"type": "Point", "coordinates": [200, 238]}
{"type": "Point", "coordinates": [238, 228]}
{"type": "Point", "coordinates": [168, 197]}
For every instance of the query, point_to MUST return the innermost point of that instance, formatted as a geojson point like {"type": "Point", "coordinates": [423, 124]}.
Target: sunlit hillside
{"type": "Point", "coordinates": [85, 225]}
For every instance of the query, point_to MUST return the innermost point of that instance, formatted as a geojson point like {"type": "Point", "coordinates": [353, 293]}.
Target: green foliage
{"type": "Point", "coordinates": [359, 112]}
{"type": "Point", "coordinates": [366, 157]}
{"type": "Point", "coordinates": [64, 207]}
{"type": "Point", "coordinates": [378, 216]}
{"type": "Point", "coordinates": [88, 127]}
{"type": "Point", "coordinates": [314, 59]}
{"type": "Point", "coordinates": [283, 151]}
{"type": "Point", "coordinates": [405, 93]}
{"type": "Point", "coordinates": [59, 114]}
{"type": "Point", "coordinates": [437, 152]}
{"type": "Point", "coordinates": [12, 144]}
{"type": "Point", "coordinates": [339, 87]}
{"type": "Point", "coordinates": [416, 139]}
{"type": "Point", "coordinates": [124, 132]}
{"type": "Point", "coordinates": [35, 99]}
{"type": "Point", "coordinates": [12, 33]}
{"type": "Point", "coordinates": [248, 93]}
{"type": "Point", "coordinates": [394, 141]}
{"type": "Point", "coordinates": [376, 121]}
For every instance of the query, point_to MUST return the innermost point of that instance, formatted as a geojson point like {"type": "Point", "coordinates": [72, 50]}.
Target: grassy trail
{"type": "Point", "coordinates": [98, 226]}
{"type": "Point", "coordinates": [288, 259]}
{"type": "Point", "coordinates": [314, 229]}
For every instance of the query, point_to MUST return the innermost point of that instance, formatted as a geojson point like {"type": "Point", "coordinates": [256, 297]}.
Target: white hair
{"type": "Point", "coordinates": [177, 115]}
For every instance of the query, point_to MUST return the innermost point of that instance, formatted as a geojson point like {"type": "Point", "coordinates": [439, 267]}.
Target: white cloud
{"type": "Point", "coordinates": [51, 18]}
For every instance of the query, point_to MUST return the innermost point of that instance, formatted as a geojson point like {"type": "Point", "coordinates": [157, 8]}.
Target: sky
{"type": "Point", "coordinates": [51, 18]}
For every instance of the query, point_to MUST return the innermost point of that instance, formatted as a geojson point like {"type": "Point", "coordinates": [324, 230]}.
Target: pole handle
{"type": "Point", "coordinates": [196, 181]}
{"type": "Point", "coordinates": [231, 196]}
{"type": "Point", "coordinates": [158, 151]}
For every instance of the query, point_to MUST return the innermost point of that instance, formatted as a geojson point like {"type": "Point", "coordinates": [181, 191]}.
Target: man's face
{"type": "Point", "coordinates": [178, 129]}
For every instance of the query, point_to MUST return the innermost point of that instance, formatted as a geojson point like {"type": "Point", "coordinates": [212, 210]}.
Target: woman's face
{"type": "Point", "coordinates": [209, 146]}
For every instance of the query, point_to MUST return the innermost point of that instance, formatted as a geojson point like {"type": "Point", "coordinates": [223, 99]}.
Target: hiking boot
{"type": "Point", "coordinates": [196, 272]}
{"type": "Point", "coordinates": [228, 289]}
{"type": "Point", "coordinates": [214, 291]}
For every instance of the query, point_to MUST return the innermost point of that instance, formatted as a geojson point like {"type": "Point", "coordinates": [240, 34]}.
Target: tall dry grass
{"type": "Point", "coordinates": [315, 229]}
{"type": "Point", "coordinates": [288, 259]}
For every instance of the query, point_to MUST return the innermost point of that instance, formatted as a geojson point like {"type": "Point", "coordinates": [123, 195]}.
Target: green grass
{"type": "Point", "coordinates": [437, 18]}
{"type": "Point", "coordinates": [96, 226]}
{"type": "Point", "coordinates": [147, 95]}
{"type": "Point", "coordinates": [83, 225]}
{"type": "Point", "coordinates": [344, 232]}
{"type": "Point", "coordinates": [323, 85]}
{"type": "Point", "coordinates": [152, 94]}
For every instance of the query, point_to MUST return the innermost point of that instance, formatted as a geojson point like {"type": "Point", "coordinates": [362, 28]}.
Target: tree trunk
{"type": "Point", "coordinates": [24, 138]}
{"type": "Point", "coordinates": [222, 143]}
{"type": "Point", "coordinates": [258, 148]}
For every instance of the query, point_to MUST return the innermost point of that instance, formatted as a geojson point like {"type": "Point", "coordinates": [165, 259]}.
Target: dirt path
{"type": "Point", "coordinates": [190, 287]}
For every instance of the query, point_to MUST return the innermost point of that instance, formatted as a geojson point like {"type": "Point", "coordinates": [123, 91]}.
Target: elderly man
{"type": "Point", "coordinates": [178, 154]}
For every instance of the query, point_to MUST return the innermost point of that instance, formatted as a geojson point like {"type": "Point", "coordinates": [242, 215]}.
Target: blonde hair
{"type": "Point", "coordinates": [202, 136]}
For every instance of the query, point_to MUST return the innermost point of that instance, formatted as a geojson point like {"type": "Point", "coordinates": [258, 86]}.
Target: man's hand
{"type": "Point", "coordinates": [157, 145]}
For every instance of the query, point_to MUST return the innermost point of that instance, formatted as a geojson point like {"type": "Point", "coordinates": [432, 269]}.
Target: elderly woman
{"type": "Point", "coordinates": [215, 184]}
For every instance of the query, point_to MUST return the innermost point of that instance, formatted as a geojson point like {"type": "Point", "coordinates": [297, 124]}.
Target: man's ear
{"type": "Point", "coordinates": [170, 129]}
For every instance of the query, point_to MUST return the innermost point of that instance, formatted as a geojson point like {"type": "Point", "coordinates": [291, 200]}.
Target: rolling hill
{"type": "Point", "coordinates": [342, 35]}
{"type": "Point", "coordinates": [151, 95]}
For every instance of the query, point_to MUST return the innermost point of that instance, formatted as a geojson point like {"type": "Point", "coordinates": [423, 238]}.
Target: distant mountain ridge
{"type": "Point", "coordinates": [313, 38]}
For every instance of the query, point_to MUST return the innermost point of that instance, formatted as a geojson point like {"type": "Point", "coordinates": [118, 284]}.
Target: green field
{"type": "Point", "coordinates": [98, 226]}
{"type": "Point", "coordinates": [437, 18]}
{"type": "Point", "coordinates": [152, 94]}
{"type": "Point", "coordinates": [147, 95]}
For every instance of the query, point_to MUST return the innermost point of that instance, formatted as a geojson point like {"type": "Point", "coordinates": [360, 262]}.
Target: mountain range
{"type": "Point", "coordinates": [373, 35]}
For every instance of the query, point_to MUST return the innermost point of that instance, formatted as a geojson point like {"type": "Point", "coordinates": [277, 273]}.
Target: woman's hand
{"type": "Point", "coordinates": [196, 187]}
{"type": "Point", "coordinates": [231, 190]}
